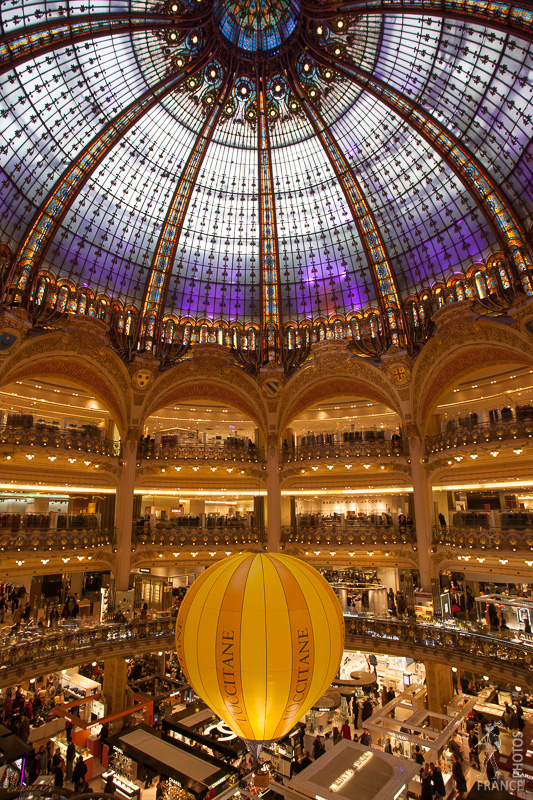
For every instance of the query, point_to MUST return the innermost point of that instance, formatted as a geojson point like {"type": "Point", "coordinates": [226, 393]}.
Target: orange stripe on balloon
{"type": "Point", "coordinates": [303, 649]}
{"type": "Point", "coordinates": [228, 647]}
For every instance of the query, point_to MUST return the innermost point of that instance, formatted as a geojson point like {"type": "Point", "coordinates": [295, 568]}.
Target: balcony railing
{"type": "Point", "coordinates": [174, 536]}
{"type": "Point", "coordinates": [199, 452]}
{"type": "Point", "coordinates": [343, 450]}
{"type": "Point", "coordinates": [26, 654]}
{"type": "Point", "coordinates": [484, 538]}
{"type": "Point", "coordinates": [50, 437]}
{"type": "Point", "coordinates": [483, 433]}
{"type": "Point", "coordinates": [63, 539]}
{"type": "Point", "coordinates": [446, 643]}
{"type": "Point", "coordinates": [352, 536]}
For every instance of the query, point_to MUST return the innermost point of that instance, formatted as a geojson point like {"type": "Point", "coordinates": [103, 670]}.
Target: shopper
{"type": "Point", "coordinates": [345, 731]}
{"type": "Point", "coordinates": [459, 778]}
{"type": "Point", "coordinates": [365, 738]}
{"type": "Point", "coordinates": [367, 710]}
{"type": "Point", "coordinates": [336, 735]}
{"type": "Point", "coordinates": [426, 791]}
{"type": "Point", "coordinates": [109, 787]}
{"type": "Point", "coordinates": [318, 747]}
{"type": "Point", "coordinates": [58, 776]}
{"type": "Point", "coordinates": [387, 747]}
{"type": "Point", "coordinates": [328, 742]}
{"type": "Point", "coordinates": [71, 754]}
{"type": "Point", "coordinates": [438, 781]}
{"type": "Point", "coordinates": [418, 755]}
{"type": "Point", "coordinates": [79, 773]}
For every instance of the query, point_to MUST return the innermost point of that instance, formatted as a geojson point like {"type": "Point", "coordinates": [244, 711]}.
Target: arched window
{"type": "Point", "coordinates": [82, 304]}
{"type": "Point", "coordinates": [62, 299]}
{"type": "Point", "coordinates": [168, 331]}
{"type": "Point", "coordinates": [337, 327]}
{"type": "Point", "coordinates": [251, 339]}
{"type": "Point", "coordinates": [203, 334]}
{"type": "Point", "coordinates": [481, 286]}
{"type": "Point", "coordinates": [41, 289]}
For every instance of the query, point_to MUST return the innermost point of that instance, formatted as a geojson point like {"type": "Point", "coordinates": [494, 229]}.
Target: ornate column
{"type": "Point", "coordinates": [422, 505]}
{"type": "Point", "coordinates": [273, 521]}
{"type": "Point", "coordinates": [124, 511]}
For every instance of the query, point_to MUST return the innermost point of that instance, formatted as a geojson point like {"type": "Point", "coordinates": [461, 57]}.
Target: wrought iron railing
{"type": "Point", "coordinates": [481, 434]}
{"type": "Point", "coordinates": [51, 438]}
{"type": "Point", "coordinates": [63, 539]}
{"type": "Point", "coordinates": [199, 452]}
{"type": "Point", "coordinates": [484, 538]}
{"type": "Point", "coordinates": [23, 656]}
{"type": "Point", "coordinates": [343, 450]}
{"type": "Point", "coordinates": [178, 536]}
{"type": "Point", "coordinates": [363, 536]}
{"type": "Point", "coordinates": [445, 643]}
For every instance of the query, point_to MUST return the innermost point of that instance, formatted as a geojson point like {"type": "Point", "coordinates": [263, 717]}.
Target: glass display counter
{"type": "Point", "coordinates": [124, 787]}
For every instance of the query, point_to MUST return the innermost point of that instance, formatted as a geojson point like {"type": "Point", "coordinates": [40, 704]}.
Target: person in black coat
{"type": "Point", "coordinates": [426, 792]}
{"type": "Point", "coordinates": [367, 710]}
{"type": "Point", "coordinates": [79, 773]}
{"type": "Point", "coordinates": [437, 780]}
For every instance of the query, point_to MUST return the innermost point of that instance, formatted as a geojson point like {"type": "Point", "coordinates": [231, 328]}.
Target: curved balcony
{"type": "Point", "coordinates": [343, 450]}
{"type": "Point", "coordinates": [484, 538]}
{"type": "Point", "coordinates": [199, 452]}
{"type": "Point", "coordinates": [51, 438]}
{"type": "Point", "coordinates": [498, 657]}
{"type": "Point", "coordinates": [483, 433]}
{"type": "Point", "coordinates": [55, 540]}
{"type": "Point", "coordinates": [350, 536]}
{"type": "Point", "coordinates": [502, 658]}
{"type": "Point", "coordinates": [184, 536]}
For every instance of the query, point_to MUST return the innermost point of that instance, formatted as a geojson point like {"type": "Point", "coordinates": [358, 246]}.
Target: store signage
{"type": "Point", "coordinates": [145, 570]}
{"type": "Point", "coordinates": [348, 773]}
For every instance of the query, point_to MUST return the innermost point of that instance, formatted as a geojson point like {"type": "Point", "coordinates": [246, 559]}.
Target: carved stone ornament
{"type": "Point", "coordinates": [271, 380]}
{"type": "Point", "coordinates": [14, 326]}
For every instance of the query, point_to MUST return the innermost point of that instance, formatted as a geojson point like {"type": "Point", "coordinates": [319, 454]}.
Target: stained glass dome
{"type": "Point", "coordinates": [264, 163]}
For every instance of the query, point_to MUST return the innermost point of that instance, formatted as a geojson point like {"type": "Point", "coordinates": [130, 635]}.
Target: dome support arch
{"type": "Point", "coordinates": [373, 244]}
{"type": "Point", "coordinates": [468, 169]}
{"type": "Point", "coordinates": [516, 20]}
{"type": "Point", "coordinates": [156, 290]}
{"type": "Point", "coordinates": [24, 44]}
{"type": "Point", "coordinates": [47, 220]}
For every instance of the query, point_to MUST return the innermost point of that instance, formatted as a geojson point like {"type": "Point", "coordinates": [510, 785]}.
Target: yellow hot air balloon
{"type": "Point", "coordinates": [260, 637]}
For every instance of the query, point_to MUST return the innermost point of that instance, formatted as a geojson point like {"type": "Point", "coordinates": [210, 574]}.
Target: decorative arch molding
{"type": "Point", "coordinates": [459, 350]}
{"type": "Point", "coordinates": [207, 379]}
{"type": "Point", "coordinates": [334, 373]}
{"type": "Point", "coordinates": [81, 360]}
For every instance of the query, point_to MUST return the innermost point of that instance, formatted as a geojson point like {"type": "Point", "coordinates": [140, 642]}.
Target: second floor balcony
{"type": "Point", "coordinates": [173, 535]}
{"type": "Point", "coordinates": [484, 538]}
{"type": "Point", "coordinates": [484, 433]}
{"type": "Point", "coordinates": [176, 451]}
{"type": "Point", "coordinates": [349, 450]}
{"type": "Point", "coordinates": [351, 536]}
{"type": "Point", "coordinates": [52, 438]}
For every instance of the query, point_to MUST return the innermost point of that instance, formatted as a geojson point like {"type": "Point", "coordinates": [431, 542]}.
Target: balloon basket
{"type": "Point", "coordinates": [261, 779]}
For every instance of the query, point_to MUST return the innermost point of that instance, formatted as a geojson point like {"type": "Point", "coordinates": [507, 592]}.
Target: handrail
{"type": "Point", "coordinates": [447, 643]}
{"type": "Point", "coordinates": [342, 450]}
{"type": "Point", "coordinates": [51, 437]}
{"type": "Point", "coordinates": [177, 536]}
{"type": "Point", "coordinates": [480, 434]}
{"type": "Point", "coordinates": [215, 452]}
{"type": "Point", "coordinates": [365, 535]}
{"type": "Point", "coordinates": [62, 539]}
{"type": "Point", "coordinates": [484, 538]}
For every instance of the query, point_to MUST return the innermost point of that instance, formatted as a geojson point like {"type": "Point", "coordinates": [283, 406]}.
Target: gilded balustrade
{"type": "Point", "coordinates": [483, 433]}
{"type": "Point", "coordinates": [349, 536]}
{"type": "Point", "coordinates": [183, 536]}
{"type": "Point", "coordinates": [502, 656]}
{"type": "Point", "coordinates": [49, 539]}
{"type": "Point", "coordinates": [484, 538]}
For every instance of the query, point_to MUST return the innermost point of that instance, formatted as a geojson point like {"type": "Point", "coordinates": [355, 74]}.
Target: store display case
{"type": "Point", "coordinates": [78, 685]}
{"type": "Point", "coordinates": [124, 786]}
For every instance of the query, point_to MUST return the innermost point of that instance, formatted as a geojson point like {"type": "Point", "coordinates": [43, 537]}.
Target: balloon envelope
{"type": "Point", "coordinates": [260, 637]}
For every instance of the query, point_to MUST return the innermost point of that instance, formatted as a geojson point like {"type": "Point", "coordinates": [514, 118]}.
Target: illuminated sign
{"type": "Point", "coordinates": [350, 772]}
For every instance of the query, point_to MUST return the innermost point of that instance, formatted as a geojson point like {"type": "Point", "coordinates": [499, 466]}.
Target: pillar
{"type": "Point", "coordinates": [124, 514]}
{"type": "Point", "coordinates": [273, 515]}
{"type": "Point", "coordinates": [115, 684]}
{"type": "Point", "coordinates": [439, 690]}
{"type": "Point", "coordinates": [423, 509]}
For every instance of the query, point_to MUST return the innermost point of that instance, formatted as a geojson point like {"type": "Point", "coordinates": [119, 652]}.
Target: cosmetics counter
{"type": "Point", "coordinates": [13, 754]}
{"type": "Point", "coordinates": [198, 726]}
{"type": "Point", "coordinates": [164, 693]}
{"type": "Point", "coordinates": [349, 771]}
{"type": "Point", "coordinates": [405, 723]}
{"type": "Point", "coordinates": [138, 751]}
